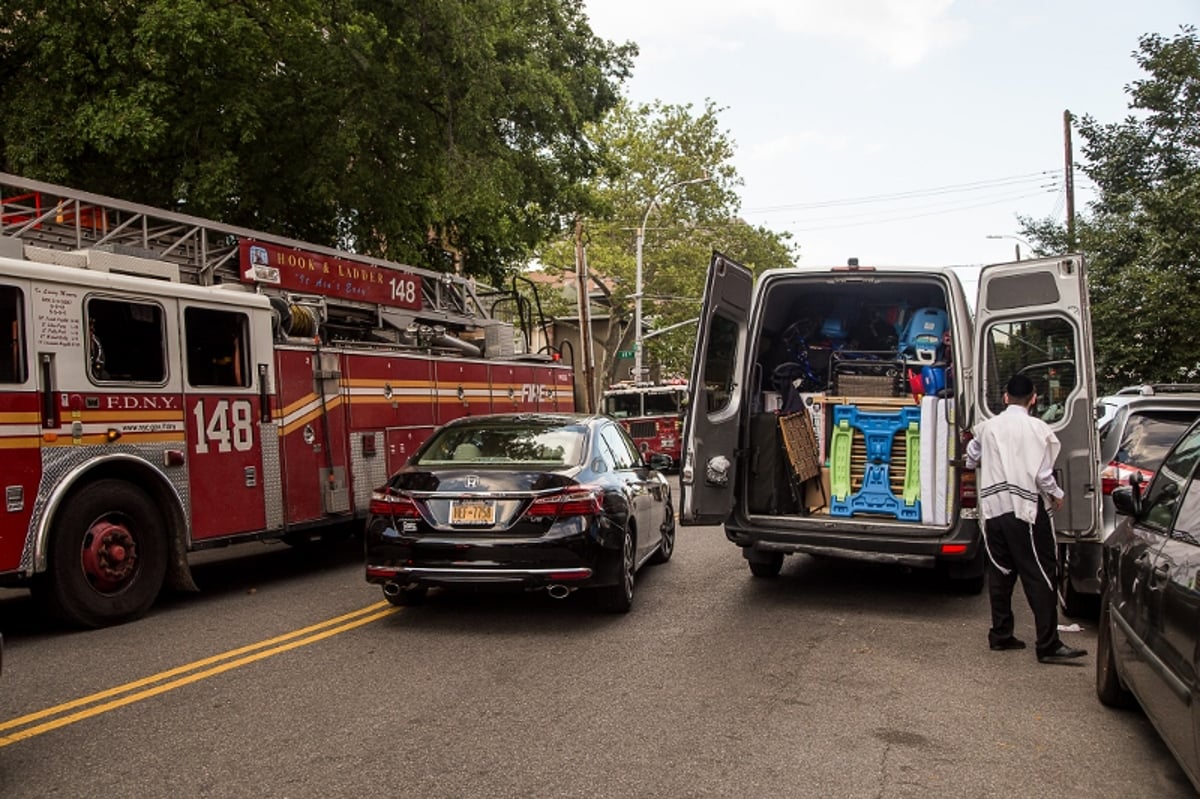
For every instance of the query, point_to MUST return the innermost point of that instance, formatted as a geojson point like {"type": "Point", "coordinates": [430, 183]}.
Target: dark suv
{"type": "Point", "coordinates": [1134, 441]}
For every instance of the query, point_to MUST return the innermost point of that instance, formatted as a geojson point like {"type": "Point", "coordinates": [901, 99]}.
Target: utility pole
{"type": "Point", "coordinates": [585, 320]}
{"type": "Point", "coordinates": [1069, 183]}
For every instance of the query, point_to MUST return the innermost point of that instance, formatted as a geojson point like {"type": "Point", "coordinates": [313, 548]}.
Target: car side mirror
{"type": "Point", "coordinates": [1123, 502]}
{"type": "Point", "coordinates": [1127, 500]}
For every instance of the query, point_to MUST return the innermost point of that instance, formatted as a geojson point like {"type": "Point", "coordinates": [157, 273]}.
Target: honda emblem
{"type": "Point", "coordinates": [472, 481]}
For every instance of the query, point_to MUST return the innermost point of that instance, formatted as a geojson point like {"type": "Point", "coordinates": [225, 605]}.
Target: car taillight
{"type": "Point", "coordinates": [385, 503]}
{"type": "Point", "coordinates": [1117, 474]}
{"type": "Point", "coordinates": [573, 502]}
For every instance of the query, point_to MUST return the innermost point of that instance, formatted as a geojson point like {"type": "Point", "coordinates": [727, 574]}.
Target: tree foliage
{"type": "Point", "coordinates": [1142, 232]}
{"type": "Point", "coordinates": [369, 124]}
{"type": "Point", "coordinates": [660, 154]}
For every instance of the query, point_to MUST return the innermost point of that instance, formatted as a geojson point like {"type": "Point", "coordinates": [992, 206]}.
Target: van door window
{"type": "Point", "coordinates": [217, 347]}
{"type": "Point", "coordinates": [126, 341]}
{"type": "Point", "coordinates": [720, 360]}
{"type": "Point", "coordinates": [12, 335]}
{"type": "Point", "coordinates": [1044, 350]}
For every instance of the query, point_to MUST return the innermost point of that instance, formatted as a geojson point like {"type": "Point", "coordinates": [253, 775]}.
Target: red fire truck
{"type": "Point", "coordinates": [652, 414]}
{"type": "Point", "coordinates": [169, 384]}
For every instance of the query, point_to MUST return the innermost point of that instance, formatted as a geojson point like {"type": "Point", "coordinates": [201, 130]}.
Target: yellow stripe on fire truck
{"type": "Point", "coordinates": [305, 410]}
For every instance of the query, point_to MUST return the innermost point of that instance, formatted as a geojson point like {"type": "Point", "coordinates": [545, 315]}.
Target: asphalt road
{"type": "Point", "coordinates": [836, 680]}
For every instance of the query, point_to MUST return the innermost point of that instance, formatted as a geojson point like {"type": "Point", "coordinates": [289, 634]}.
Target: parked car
{"type": "Point", "coordinates": [553, 502]}
{"type": "Point", "coordinates": [1140, 433]}
{"type": "Point", "coordinates": [1148, 644]}
{"type": "Point", "coordinates": [1107, 407]}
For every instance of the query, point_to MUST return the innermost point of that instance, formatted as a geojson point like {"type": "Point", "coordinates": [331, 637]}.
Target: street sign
{"type": "Point", "coordinates": [624, 353]}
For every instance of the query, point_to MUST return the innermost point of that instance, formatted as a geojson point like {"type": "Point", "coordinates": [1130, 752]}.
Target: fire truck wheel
{"type": "Point", "coordinates": [108, 555]}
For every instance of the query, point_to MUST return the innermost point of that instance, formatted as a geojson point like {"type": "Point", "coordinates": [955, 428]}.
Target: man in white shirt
{"type": "Point", "coordinates": [1015, 452]}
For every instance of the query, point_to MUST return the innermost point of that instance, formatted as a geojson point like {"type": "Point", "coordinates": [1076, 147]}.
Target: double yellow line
{"type": "Point", "coordinates": [28, 726]}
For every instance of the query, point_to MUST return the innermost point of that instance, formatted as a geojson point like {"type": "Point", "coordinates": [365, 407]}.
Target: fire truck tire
{"type": "Point", "coordinates": [107, 557]}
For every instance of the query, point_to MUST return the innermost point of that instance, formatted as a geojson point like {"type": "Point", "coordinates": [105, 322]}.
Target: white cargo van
{"type": "Point", "coordinates": [830, 407]}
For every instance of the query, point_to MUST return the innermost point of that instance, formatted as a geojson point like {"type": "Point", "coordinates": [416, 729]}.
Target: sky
{"type": "Point", "coordinates": [900, 132]}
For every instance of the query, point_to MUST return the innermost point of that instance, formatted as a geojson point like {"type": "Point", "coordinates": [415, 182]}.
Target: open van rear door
{"type": "Point", "coordinates": [707, 475]}
{"type": "Point", "coordinates": [1032, 318]}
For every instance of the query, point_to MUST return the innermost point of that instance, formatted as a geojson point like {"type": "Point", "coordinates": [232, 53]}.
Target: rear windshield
{"type": "Point", "coordinates": [1148, 435]}
{"type": "Point", "coordinates": [505, 443]}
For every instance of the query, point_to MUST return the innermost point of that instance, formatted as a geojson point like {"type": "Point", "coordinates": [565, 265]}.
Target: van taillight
{"type": "Point", "coordinates": [966, 489]}
{"type": "Point", "coordinates": [584, 501]}
{"type": "Point", "coordinates": [386, 503]}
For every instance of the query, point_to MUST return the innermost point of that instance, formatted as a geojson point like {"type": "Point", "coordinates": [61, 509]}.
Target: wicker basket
{"type": "Point", "coordinates": [800, 442]}
{"type": "Point", "coordinates": [866, 385]}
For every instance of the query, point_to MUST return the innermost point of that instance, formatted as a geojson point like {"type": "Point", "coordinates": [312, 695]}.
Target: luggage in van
{"type": "Point", "coordinates": [771, 485]}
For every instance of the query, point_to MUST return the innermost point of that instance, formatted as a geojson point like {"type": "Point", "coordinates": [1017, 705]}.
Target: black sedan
{"type": "Point", "coordinates": [1149, 636]}
{"type": "Point", "coordinates": [553, 502]}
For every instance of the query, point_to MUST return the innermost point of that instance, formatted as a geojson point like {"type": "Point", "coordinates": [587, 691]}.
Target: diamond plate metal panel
{"type": "Point", "coordinates": [272, 474]}
{"type": "Point", "coordinates": [369, 471]}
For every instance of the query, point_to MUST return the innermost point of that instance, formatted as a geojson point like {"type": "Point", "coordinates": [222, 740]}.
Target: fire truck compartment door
{"type": "Point", "coordinates": [708, 474]}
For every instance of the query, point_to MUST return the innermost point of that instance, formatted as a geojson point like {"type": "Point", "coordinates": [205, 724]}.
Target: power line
{"type": "Point", "coordinates": [799, 227]}
{"type": "Point", "coordinates": [974, 186]}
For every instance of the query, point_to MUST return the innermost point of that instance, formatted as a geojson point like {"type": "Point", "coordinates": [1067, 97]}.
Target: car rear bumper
{"type": "Point", "coordinates": [448, 575]}
{"type": "Point", "coordinates": [582, 558]}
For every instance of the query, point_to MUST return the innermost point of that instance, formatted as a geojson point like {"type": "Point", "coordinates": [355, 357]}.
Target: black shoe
{"type": "Point", "coordinates": [1010, 642]}
{"type": "Point", "coordinates": [1061, 654]}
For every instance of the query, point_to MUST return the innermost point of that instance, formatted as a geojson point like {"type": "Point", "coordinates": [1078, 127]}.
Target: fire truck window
{"type": "Point", "coordinates": [662, 404]}
{"type": "Point", "coordinates": [126, 341]}
{"type": "Point", "coordinates": [622, 406]}
{"type": "Point", "coordinates": [1044, 350]}
{"type": "Point", "coordinates": [12, 335]}
{"type": "Point", "coordinates": [216, 347]}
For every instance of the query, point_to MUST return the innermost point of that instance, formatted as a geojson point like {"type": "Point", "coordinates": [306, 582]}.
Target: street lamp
{"type": "Point", "coordinates": [637, 297]}
{"type": "Point", "coordinates": [1017, 246]}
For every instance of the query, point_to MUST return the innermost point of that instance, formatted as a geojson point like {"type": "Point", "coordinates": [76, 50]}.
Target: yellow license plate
{"type": "Point", "coordinates": [467, 511]}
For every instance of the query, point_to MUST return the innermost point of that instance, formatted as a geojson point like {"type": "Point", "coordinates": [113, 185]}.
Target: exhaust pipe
{"type": "Point", "coordinates": [558, 591]}
{"type": "Point", "coordinates": [391, 589]}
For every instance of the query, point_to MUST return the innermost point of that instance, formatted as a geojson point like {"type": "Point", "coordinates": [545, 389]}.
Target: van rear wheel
{"type": "Point", "coordinates": [766, 564]}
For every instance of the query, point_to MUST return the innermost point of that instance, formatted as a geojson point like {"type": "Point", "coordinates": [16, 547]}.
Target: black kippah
{"type": "Point", "coordinates": [1019, 386]}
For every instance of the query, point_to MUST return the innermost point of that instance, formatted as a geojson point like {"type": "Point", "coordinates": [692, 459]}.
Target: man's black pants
{"type": "Point", "coordinates": [1017, 549]}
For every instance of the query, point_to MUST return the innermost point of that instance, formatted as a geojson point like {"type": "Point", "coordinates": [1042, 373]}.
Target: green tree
{"type": "Point", "coordinates": [397, 128]}
{"type": "Point", "coordinates": [653, 151]}
{"type": "Point", "coordinates": [1142, 232]}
